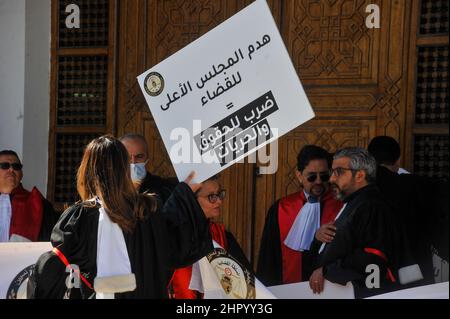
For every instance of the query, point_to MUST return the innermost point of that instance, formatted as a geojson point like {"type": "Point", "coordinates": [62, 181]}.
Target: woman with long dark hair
{"type": "Point", "coordinates": [118, 243]}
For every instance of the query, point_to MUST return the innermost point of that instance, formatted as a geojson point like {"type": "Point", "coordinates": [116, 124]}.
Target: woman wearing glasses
{"type": "Point", "coordinates": [210, 197]}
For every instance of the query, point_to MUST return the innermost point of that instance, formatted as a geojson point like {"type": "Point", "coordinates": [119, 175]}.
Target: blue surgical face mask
{"type": "Point", "coordinates": [138, 171]}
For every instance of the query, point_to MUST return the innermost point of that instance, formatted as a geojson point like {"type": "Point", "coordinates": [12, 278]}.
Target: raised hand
{"type": "Point", "coordinates": [194, 186]}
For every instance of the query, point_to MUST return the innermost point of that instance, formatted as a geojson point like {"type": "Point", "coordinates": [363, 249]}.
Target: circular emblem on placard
{"type": "Point", "coordinates": [154, 83]}
{"type": "Point", "coordinates": [18, 287]}
{"type": "Point", "coordinates": [237, 281]}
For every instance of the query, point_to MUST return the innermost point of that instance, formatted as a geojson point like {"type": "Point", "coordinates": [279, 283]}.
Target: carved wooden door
{"type": "Point", "coordinates": [356, 79]}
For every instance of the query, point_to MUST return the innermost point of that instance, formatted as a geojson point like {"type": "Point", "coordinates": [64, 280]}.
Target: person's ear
{"type": "Point", "coordinates": [360, 176]}
{"type": "Point", "coordinates": [299, 176]}
{"type": "Point", "coordinates": [397, 165]}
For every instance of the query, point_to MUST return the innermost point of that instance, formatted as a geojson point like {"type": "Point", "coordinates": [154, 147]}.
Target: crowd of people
{"type": "Point", "coordinates": [136, 235]}
{"type": "Point", "coordinates": [378, 215]}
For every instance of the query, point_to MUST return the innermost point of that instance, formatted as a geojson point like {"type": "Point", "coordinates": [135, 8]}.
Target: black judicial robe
{"type": "Point", "coordinates": [270, 265]}
{"type": "Point", "coordinates": [421, 209]}
{"type": "Point", "coordinates": [175, 236]}
{"type": "Point", "coordinates": [154, 184]}
{"type": "Point", "coordinates": [366, 222]}
{"type": "Point", "coordinates": [48, 221]}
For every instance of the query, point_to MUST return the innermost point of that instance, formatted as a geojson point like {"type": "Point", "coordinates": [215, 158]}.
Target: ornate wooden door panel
{"type": "Point", "coordinates": [355, 78]}
{"type": "Point", "coordinates": [348, 69]}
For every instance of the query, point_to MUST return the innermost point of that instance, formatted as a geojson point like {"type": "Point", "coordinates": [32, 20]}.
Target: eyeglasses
{"type": "Point", "coordinates": [213, 198]}
{"type": "Point", "coordinates": [324, 176]}
{"type": "Point", "coordinates": [338, 171]}
{"type": "Point", "coordinates": [15, 166]}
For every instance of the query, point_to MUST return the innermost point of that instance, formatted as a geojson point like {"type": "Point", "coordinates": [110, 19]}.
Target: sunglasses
{"type": "Point", "coordinates": [324, 177]}
{"type": "Point", "coordinates": [15, 166]}
{"type": "Point", "coordinates": [213, 198]}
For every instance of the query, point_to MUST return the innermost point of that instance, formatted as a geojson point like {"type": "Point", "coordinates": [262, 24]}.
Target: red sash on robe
{"type": "Point", "coordinates": [182, 277]}
{"type": "Point", "coordinates": [27, 212]}
{"type": "Point", "coordinates": [288, 208]}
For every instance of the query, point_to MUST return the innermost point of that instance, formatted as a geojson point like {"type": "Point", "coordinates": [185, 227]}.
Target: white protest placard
{"type": "Point", "coordinates": [435, 291]}
{"type": "Point", "coordinates": [16, 260]}
{"type": "Point", "coordinates": [226, 94]}
{"type": "Point", "coordinates": [301, 290]}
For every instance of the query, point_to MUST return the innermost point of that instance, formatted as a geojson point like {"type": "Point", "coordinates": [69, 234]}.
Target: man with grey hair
{"type": "Point", "coordinates": [364, 230]}
{"type": "Point", "coordinates": [143, 181]}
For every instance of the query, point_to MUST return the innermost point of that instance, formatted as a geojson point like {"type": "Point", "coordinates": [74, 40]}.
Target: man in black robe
{"type": "Point", "coordinates": [144, 181]}
{"type": "Point", "coordinates": [386, 151]}
{"type": "Point", "coordinates": [175, 236]}
{"type": "Point", "coordinates": [364, 229]}
{"type": "Point", "coordinates": [420, 205]}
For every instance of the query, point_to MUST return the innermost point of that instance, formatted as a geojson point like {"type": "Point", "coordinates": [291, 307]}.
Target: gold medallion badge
{"type": "Point", "coordinates": [237, 281]}
{"type": "Point", "coordinates": [154, 83]}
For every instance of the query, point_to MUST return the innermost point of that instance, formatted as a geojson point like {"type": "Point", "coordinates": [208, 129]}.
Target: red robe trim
{"type": "Point", "coordinates": [288, 208]}
{"type": "Point", "coordinates": [27, 213]}
{"type": "Point", "coordinates": [182, 277]}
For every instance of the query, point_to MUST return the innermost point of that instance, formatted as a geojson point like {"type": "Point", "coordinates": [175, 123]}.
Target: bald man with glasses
{"type": "Point", "coordinates": [24, 215]}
